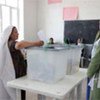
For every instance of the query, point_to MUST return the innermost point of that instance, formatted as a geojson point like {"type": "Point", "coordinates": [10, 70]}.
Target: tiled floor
{"type": "Point", "coordinates": [31, 96]}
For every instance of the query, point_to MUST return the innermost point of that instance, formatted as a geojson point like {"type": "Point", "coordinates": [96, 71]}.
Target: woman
{"type": "Point", "coordinates": [94, 69]}
{"type": "Point", "coordinates": [12, 64]}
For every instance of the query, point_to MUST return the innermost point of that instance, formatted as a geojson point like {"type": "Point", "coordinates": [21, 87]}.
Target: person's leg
{"type": "Point", "coordinates": [23, 95]}
{"type": "Point", "coordinates": [88, 90]}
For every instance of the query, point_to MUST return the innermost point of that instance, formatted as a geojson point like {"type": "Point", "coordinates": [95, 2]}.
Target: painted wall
{"type": "Point", "coordinates": [49, 18]}
{"type": "Point", "coordinates": [30, 19]}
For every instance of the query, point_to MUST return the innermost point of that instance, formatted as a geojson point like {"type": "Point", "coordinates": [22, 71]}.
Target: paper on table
{"type": "Point", "coordinates": [41, 35]}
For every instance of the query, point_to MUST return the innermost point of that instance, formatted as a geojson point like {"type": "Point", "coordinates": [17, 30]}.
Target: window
{"type": "Point", "coordinates": [12, 3]}
{"type": "Point", "coordinates": [5, 16]}
{"type": "Point", "coordinates": [14, 17]}
{"type": "Point", "coordinates": [0, 20]}
{"type": "Point", "coordinates": [11, 13]}
{"type": "Point", "coordinates": [2, 1]}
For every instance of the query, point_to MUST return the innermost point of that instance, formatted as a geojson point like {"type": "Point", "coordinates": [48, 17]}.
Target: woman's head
{"type": "Point", "coordinates": [14, 34]}
{"type": "Point", "coordinates": [10, 33]}
{"type": "Point", "coordinates": [51, 40]}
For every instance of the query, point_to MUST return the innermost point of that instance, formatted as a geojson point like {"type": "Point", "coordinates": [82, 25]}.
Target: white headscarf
{"type": "Point", "coordinates": [7, 72]}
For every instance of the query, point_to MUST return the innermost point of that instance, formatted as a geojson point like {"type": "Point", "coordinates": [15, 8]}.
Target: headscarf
{"type": "Point", "coordinates": [7, 72]}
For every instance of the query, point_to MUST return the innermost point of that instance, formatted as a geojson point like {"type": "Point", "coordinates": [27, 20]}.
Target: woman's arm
{"type": "Point", "coordinates": [24, 44]}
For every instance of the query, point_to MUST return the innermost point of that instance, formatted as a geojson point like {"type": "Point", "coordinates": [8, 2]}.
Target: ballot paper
{"type": "Point", "coordinates": [42, 35]}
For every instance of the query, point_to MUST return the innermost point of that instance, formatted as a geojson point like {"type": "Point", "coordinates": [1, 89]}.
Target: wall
{"type": "Point", "coordinates": [50, 17]}
{"type": "Point", "coordinates": [38, 15]}
{"type": "Point", "coordinates": [30, 19]}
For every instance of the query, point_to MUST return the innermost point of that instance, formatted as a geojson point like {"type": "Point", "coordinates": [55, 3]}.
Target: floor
{"type": "Point", "coordinates": [31, 96]}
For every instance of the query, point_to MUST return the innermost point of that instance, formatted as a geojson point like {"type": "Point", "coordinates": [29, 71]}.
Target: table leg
{"type": "Point", "coordinates": [56, 99]}
{"type": "Point", "coordinates": [41, 97]}
{"type": "Point", "coordinates": [18, 94]}
{"type": "Point", "coordinates": [71, 95]}
{"type": "Point", "coordinates": [79, 91]}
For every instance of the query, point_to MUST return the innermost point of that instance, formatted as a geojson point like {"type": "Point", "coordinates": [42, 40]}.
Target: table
{"type": "Point", "coordinates": [57, 90]}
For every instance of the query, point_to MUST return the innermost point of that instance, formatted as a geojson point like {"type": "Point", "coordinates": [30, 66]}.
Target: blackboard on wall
{"type": "Point", "coordinates": [85, 29]}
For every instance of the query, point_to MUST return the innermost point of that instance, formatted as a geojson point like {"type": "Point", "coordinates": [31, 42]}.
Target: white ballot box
{"type": "Point", "coordinates": [50, 64]}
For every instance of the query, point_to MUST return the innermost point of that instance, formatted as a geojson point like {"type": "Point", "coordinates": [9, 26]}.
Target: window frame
{"type": "Point", "coordinates": [18, 16]}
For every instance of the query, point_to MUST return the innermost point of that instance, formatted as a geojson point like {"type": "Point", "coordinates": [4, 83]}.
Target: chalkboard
{"type": "Point", "coordinates": [85, 29]}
